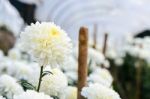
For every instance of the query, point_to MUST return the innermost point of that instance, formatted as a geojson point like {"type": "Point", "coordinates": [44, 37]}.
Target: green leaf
{"type": "Point", "coordinates": [26, 85]}
{"type": "Point", "coordinates": [55, 97]}
{"type": "Point", "coordinates": [46, 73]}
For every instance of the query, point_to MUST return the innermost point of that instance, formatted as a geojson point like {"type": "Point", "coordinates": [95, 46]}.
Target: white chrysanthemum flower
{"type": "Point", "coordinates": [119, 61]}
{"type": "Point", "coordinates": [9, 86]}
{"type": "Point", "coordinates": [34, 79]}
{"type": "Point", "coordinates": [111, 53]}
{"type": "Point", "coordinates": [6, 66]}
{"type": "Point", "coordinates": [97, 91]}
{"type": "Point", "coordinates": [1, 54]}
{"type": "Point", "coordinates": [101, 76]}
{"type": "Point", "coordinates": [71, 92]}
{"type": "Point", "coordinates": [20, 69]}
{"type": "Point", "coordinates": [54, 84]}
{"type": "Point", "coordinates": [2, 97]}
{"type": "Point", "coordinates": [30, 94]}
{"type": "Point", "coordinates": [95, 56]}
{"type": "Point", "coordinates": [47, 43]}
{"type": "Point", "coordinates": [72, 77]}
{"type": "Point", "coordinates": [26, 72]}
{"type": "Point", "coordinates": [14, 54]}
{"type": "Point", "coordinates": [70, 65]}
{"type": "Point", "coordinates": [106, 64]}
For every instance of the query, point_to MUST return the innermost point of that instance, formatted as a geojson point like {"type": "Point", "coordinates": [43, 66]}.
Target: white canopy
{"type": "Point", "coordinates": [9, 17]}
{"type": "Point", "coordinates": [117, 17]}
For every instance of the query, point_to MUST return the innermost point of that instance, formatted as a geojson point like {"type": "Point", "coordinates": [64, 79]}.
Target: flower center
{"type": "Point", "coordinates": [54, 32]}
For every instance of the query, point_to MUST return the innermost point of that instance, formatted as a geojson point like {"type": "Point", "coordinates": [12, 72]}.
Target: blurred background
{"type": "Point", "coordinates": [127, 23]}
{"type": "Point", "coordinates": [119, 18]}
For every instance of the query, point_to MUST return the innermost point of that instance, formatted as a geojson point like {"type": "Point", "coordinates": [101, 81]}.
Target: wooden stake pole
{"type": "Point", "coordinates": [95, 36]}
{"type": "Point", "coordinates": [82, 60]}
{"type": "Point", "coordinates": [105, 44]}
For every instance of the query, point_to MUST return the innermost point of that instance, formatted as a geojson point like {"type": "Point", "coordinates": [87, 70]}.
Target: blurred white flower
{"type": "Point", "coordinates": [97, 91]}
{"type": "Point", "coordinates": [70, 92]}
{"type": "Point", "coordinates": [20, 69]}
{"type": "Point", "coordinates": [30, 94]}
{"type": "Point", "coordinates": [111, 53]}
{"type": "Point", "coordinates": [6, 66]}
{"type": "Point", "coordinates": [72, 76]}
{"type": "Point", "coordinates": [14, 54]}
{"type": "Point", "coordinates": [118, 61]}
{"type": "Point", "coordinates": [54, 84]}
{"type": "Point", "coordinates": [101, 76]}
{"type": "Point", "coordinates": [95, 56]}
{"type": "Point", "coordinates": [132, 50]}
{"type": "Point", "coordinates": [26, 72]}
{"type": "Point", "coordinates": [144, 53]}
{"type": "Point", "coordinates": [1, 54]}
{"type": "Point", "coordinates": [9, 86]}
{"type": "Point", "coordinates": [2, 97]}
{"type": "Point", "coordinates": [106, 63]}
{"type": "Point", "coordinates": [47, 43]}
{"type": "Point", "coordinates": [70, 65]}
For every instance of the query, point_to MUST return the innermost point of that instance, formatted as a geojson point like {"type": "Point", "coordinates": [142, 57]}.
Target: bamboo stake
{"type": "Point", "coordinates": [82, 60]}
{"type": "Point", "coordinates": [95, 36]}
{"type": "Point", "coordinates": [105, 44]}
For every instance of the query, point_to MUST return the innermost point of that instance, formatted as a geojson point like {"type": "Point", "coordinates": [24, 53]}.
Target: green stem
{"type": "Point", "coordinates": [40, 79]}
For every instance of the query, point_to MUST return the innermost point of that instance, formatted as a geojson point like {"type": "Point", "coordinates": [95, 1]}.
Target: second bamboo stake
{"type": "Point", "coordinates": [105, 44]}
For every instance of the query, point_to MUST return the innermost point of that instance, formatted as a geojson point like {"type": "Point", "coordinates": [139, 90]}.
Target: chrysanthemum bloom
{"type": "Point", "coordinates": [101, 76]}
{"type": "Point", "coordinates": [9, 86]}
{"type": "Point", "coordinates": [54, 84]}
{"type": "Point", "coordinates": [14, 54]}
{"type": "Point", "coordinates": [1, 54]}
{"type": "Point", "coordinates": [47, 43]}
{"type": "Point", "coordinates": [71, 93]}
{"type": "Point", "coordinates": [30, 94]}
{"type": "Point", "coordinates": [97, 91]}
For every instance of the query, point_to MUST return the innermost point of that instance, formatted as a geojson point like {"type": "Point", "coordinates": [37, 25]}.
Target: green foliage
{"type": "Point", "coordinates": [26, 85]}
{"type": "Point", "coordinates": [55, 97]}
{"type": "Point", "coordinates": [145, 87]}
{"type": "Point", "coordinates": [46, 73]}
{"type": "Point", "coordinates": [125, 77]}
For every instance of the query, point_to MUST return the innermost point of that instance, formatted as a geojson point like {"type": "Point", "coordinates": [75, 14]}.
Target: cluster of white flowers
{"type": "Point", "coordinates": [70, 69]}
{"type": "Point", "coordinates": [19, 69]}
{"type": "Point", "coordinates": [139, 47]}
{"type": "Point", "coordinates": [9, 86]}
{"type": "Point", "coordinates": [101, 76]}
{"type": "Point", "coordinates": [116, 55]}
{"type": "Point", "coordinates": [51, 48]}
{"type": "Point", "coordinates": [98, 91]}
{"type": "Point", "coordinates": [30, 94]}
{"type": "Point", "coordinates": [47, 43]}
{"type": "Point", "coordinates": [135, 47]}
